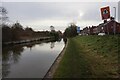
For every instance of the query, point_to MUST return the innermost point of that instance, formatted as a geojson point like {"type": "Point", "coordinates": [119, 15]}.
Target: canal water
{"type": "Point", "coordinates": [30, 60]}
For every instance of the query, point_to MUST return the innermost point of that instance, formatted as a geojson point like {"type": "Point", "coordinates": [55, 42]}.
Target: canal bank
{"type": "Point", "coordinates": [90, 57]}
{"type": "Point", "coordinates": [27, 40]}
{"type": "Point", "coordinates": [55, 65]}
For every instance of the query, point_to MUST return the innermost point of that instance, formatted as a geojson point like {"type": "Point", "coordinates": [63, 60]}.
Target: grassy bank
{"type": "Point", "coordinates": [90, 57]}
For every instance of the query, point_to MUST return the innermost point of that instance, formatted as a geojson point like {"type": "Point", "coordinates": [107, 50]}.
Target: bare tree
{"type": "Point", "coordinates": [3, 15]}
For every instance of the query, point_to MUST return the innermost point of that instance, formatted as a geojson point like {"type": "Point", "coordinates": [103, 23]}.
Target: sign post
{"type": "Point", "coordinates": [78, 30]}
{"type": "Point", "coordinates": [115, 22]}
{"type": "Point", "coordinates": [105, 13]}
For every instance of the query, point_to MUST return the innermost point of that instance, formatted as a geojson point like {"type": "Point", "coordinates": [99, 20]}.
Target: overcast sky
{"type": "Point", "coordinates": [41, 15]}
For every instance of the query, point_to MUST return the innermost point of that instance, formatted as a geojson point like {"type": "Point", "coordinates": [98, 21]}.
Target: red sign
{"type": "Point", "coordinates": [105, 12]}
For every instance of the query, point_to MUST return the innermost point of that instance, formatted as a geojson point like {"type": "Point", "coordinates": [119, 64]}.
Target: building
{"type": "Point", "coordinates": [84, 31]}
{"type": "Point", "coordinates": [94, 29]}
{"type": "Point", "coordinates": [111, 27]}
{"type": "Point", "coordinates": [108, 27]}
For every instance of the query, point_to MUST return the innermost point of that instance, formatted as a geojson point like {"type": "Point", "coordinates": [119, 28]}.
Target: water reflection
{"type": "Point", "coordinates": [52, 45]}
{"type": "Point", "coordinates": [11, 55]}
{"type": "Point", "coordinates": [15, 57]}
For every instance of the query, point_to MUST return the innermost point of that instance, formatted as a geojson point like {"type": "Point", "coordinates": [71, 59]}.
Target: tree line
{"type": "Point", "coordinates": [17, 32]}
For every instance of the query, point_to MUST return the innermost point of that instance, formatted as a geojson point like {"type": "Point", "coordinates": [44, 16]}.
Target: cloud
{"type": "Point", "coordinates": [28, 10]}
{"type": "Point", "coordinates": [56, 13]}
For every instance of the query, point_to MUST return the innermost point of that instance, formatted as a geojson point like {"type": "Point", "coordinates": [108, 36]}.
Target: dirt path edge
{"type": "Point", "coordinates": [55, 65]}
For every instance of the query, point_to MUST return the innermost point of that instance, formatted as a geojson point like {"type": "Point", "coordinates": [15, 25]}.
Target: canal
{"type": "Point", "coordinates": [30, 60]}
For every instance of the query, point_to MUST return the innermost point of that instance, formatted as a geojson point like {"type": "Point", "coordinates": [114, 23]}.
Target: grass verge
{"type": "Point", "coordinates": [90, 57]}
